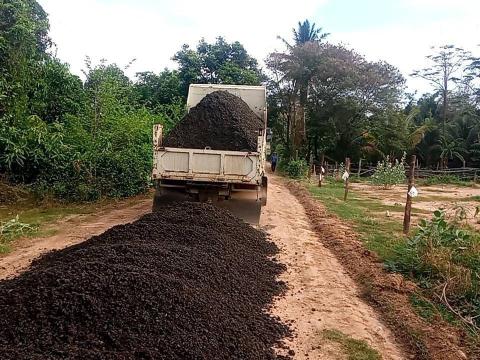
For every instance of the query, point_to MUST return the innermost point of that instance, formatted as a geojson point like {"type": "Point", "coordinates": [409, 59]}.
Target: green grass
{"type": "Point", "coordinates": [431, 311]}
{"type": "Point", "coordinates": [353, 349]}
{"type": "Point", "coordinates": [11, 229]}
{"type": "Point", "coordinates": [381, 235]}
{"type": "Point", "coordinates": [444, 180]}
{"type": "Point", "coordinates": [37, 217]}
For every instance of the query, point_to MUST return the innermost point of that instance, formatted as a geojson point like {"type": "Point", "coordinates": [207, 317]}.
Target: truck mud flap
{"type": "Point", "coordinates": [165, 197]}
{"type": "Point", "coordinates": [243, 205]}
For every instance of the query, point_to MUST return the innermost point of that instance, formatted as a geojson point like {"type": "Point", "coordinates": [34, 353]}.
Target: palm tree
{"type": "Point", "coordinates": [297, 66]}
{"type": "Point", "coordinates": [450, 149]}
{"type": "Point", "coordinates": [306, 32]}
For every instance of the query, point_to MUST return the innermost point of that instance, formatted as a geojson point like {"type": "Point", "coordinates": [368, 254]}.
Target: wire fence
{"type": "Point", "coordinates": [367, 170]}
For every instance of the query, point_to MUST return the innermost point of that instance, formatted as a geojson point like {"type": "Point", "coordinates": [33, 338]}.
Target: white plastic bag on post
{"type": "Point", "coordinates": [413, 192]}
{"type": "Point", "coordinates": [345, 176]}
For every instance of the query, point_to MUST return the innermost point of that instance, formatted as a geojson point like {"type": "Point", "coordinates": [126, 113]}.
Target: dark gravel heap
{"type": "Point", "coordinates": [221, 121]}
{"type": "Point", "coordinates": [189, 282]}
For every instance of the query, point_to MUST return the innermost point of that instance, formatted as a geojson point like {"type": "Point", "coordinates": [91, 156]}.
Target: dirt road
{"type": "Point", "coordinates": [321, 295]}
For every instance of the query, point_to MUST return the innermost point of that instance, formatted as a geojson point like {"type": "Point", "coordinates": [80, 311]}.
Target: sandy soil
{"type": "Point", "coordinates": [321, 295]}
{"type": "Point", "coordinates": [430, 198]}
{"type": "Point", "coordinates": [72, 230]}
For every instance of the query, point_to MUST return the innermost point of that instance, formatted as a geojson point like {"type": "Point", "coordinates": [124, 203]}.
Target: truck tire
{"type": "Point", "coordinates": [264, 190]}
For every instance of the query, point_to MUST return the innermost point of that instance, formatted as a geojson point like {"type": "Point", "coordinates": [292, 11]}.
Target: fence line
{"type": "Point", "coordinates": [467, 173]}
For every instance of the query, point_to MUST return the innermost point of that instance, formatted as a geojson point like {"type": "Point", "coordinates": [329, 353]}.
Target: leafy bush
{"type": "Point", "coordinates": [104, 150]}
{"type": "Point", "coordinates": [297, 168]}
{"type": "Point", "coordinates": [445, 260]}
{"type": "Point", "coordinates": [116, 162]}
{"type": "Point", "coordinates": [387, 174]}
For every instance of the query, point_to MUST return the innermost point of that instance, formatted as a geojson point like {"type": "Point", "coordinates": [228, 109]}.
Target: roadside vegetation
{"type": "Point", "coordinates": [11, 229]}
{"type": "Point", "coordinates": [352, 348]}
{"type": "Point", "coordinates": [445, 180]}
{"type": "Point", "coordinates": [83, 139]}
{"type": "Point", "coordinates": [27, 217]}
{"type": "Point", "coordinates": [441, 255]}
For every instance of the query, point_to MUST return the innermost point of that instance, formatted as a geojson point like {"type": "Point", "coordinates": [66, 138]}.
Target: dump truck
{"type": "Point", "coordinates": [234, 180]}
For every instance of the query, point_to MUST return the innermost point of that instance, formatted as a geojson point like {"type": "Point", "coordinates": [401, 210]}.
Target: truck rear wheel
{"type": "Point", "coordinates": [264, 191]}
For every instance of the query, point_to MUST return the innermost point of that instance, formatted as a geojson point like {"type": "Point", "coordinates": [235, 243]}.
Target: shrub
{"type": "Point", "coordinates": [446, 260]}
{"type": "Point", "coordinates": [443, 179]}
{"type": "Point", "coordinates": [388, 174]}
{"type": "Point", "coordinates": [115, 162]}
{"type": "Point", "coordinates": [12, 229]}
{"type": "Point", "coordinates": [297, 168]}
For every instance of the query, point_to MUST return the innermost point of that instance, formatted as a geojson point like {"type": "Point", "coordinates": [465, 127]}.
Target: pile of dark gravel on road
{"type": "Point", "coordinates": [189, 282]}
{"type": "Point", "coordinates": [221, 121]}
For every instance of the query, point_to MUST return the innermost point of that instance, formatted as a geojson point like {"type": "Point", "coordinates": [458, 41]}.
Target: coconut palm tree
{"type": "Point", "coordinates": [298, 65]}
{"type": "Point", "coordinates": [450, 149]}
{"type": "Point", "coordinates": [306, 32]}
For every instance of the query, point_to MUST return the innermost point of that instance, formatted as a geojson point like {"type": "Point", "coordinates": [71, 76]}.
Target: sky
{"type": "Point", "coordinates": [400, 32]}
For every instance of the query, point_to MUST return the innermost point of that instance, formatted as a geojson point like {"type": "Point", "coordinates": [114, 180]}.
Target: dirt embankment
{"type": "Point", "coordinates": [388, 293]}
{"type": "Point", "coordinates": [189, 282]}
{"type": "Point", "coordinates": [221, 121]}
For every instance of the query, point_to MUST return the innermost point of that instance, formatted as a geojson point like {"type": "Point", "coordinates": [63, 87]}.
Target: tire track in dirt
{"type": "Point", "coordinates": [72, 230]}
{"type": "Point", "coordinates": [321, 294]}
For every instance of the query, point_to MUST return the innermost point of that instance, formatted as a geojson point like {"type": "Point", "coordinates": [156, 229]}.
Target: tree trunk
{"type": "Point", "coordinates": [445, 99]}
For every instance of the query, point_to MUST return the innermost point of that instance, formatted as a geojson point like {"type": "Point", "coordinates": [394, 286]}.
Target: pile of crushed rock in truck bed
{"type": "Point", "coordinates": [221, 121]}
{"type": "Point", "coordinates": [189, 282]}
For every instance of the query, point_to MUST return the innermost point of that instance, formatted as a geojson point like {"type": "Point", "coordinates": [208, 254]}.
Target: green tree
{"type": "Point", "coordinates": [342, 91]}
{"type": "Point", "coordinates": [217, 63]}
{"type": "Point", "coordinates": [450, 149]}
{"type": "Point", "coordinates": [23, 44]}
{"type": "Point", "coordinates": [109, 93]}
{"type": "Point", "coordinates": [155, 90]}
{"type": "Point", "coordinates": [446, 63]}
{"type": "Point", "coordinates": [393, 133]}
{"type": "Point", "coordinates": [57, 92]}
{"type": "Point", "coordinates": [306, 32]}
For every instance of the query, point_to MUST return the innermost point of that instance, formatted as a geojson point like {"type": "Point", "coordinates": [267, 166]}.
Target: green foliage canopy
{"type": "Point", "coordinates": [217, 63]}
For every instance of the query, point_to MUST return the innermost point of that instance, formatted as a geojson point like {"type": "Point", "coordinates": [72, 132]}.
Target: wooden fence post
{"type": "Point", "coordinates": [408, 205]}
{"type": "Point", "coordinates": [359, 167]}
{"type": "Point", "coordinates": [347, 169]}
{"type": "Point", "coordinates": [320, 173]}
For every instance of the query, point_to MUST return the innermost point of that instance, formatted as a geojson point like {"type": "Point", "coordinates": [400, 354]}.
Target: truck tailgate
{"type": "Point", "coordinates": [207, 165]}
